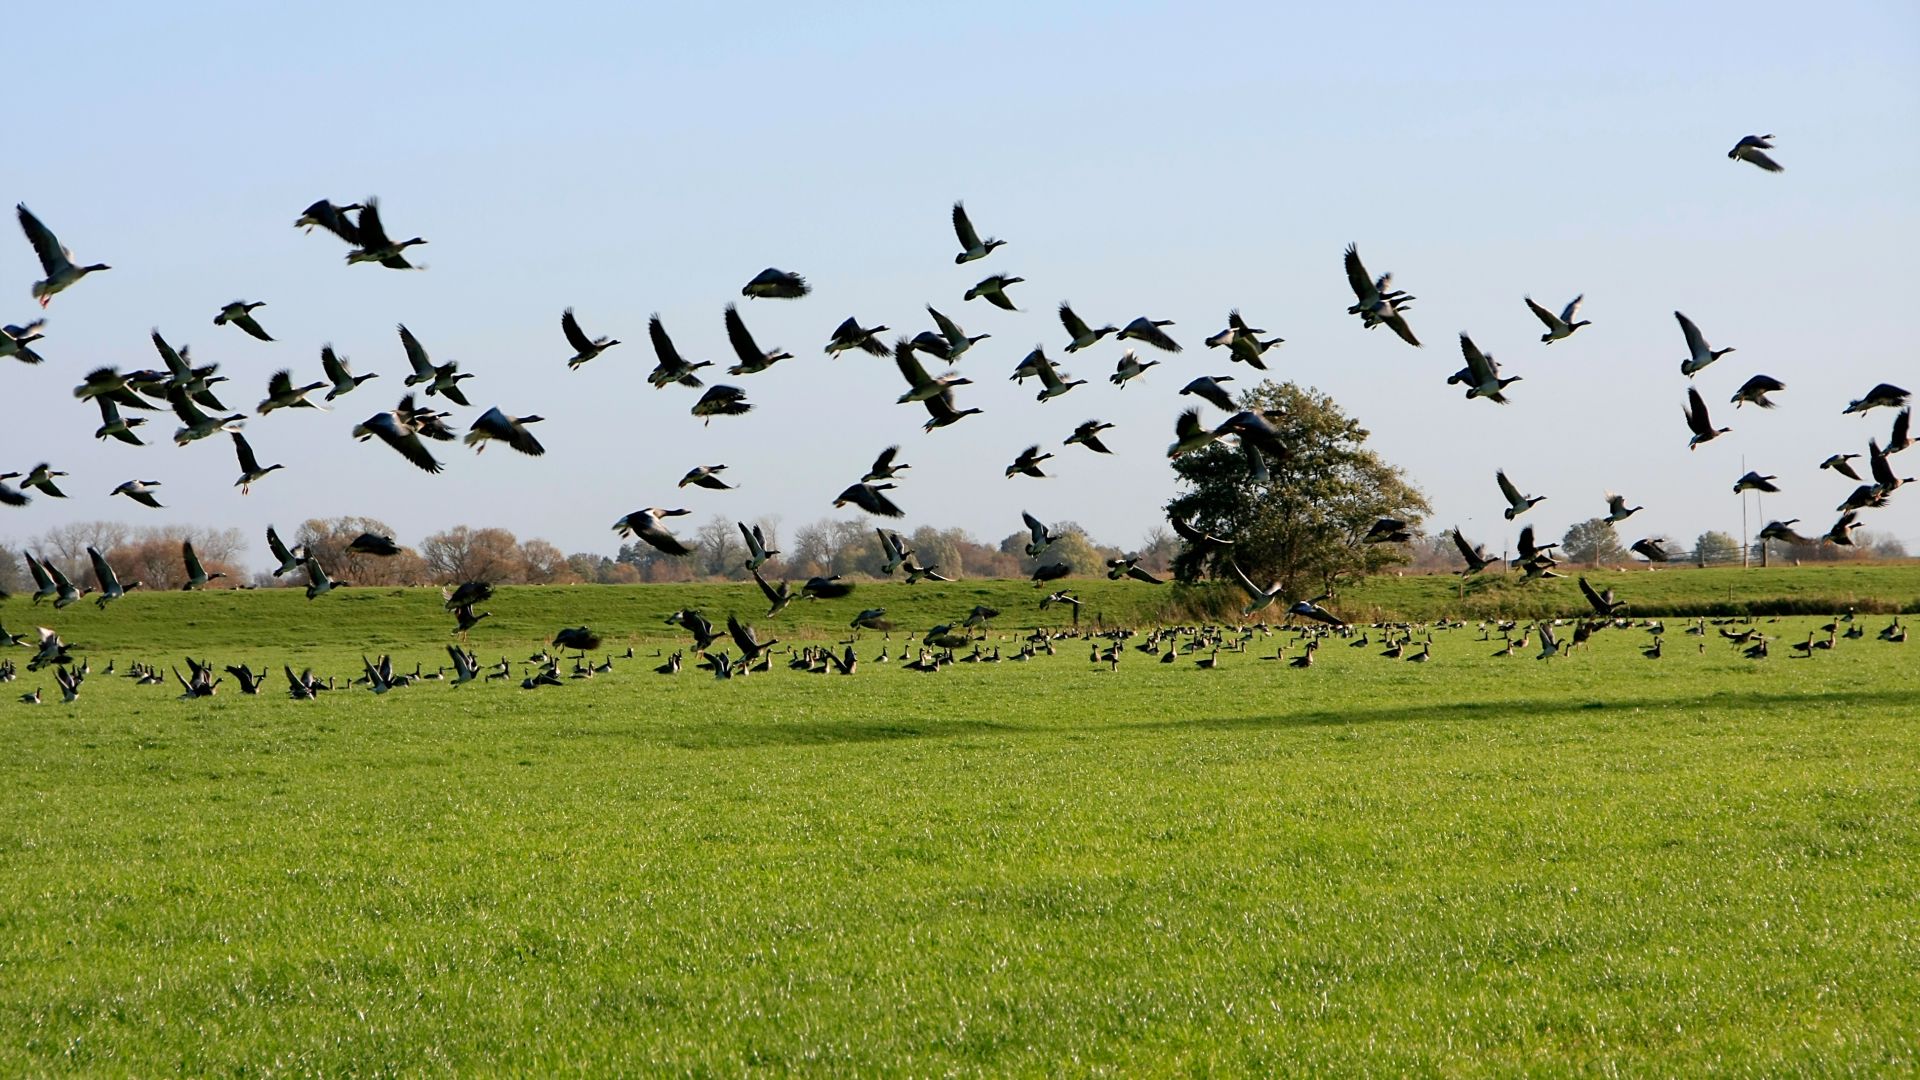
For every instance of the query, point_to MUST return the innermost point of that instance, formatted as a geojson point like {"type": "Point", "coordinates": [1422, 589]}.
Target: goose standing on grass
{"type": "Point", "coordinates": [251, 471]}
{"type": "Point", "coordinates": [331, 218]}
{"type": "Point", "coordinates": [1703, 429]}
{"type": "Point", "coordinates": [1561, 325]}
{"type": "Point", "coordinates": [647, 525]}
{"type": "Point", "coordinates": [140, 491]}
{"type": "Point", "coordinates": [240, 314]}
{"type": "Point", "coordinates": [1750, 150]}
{"type": "Point", "coordinates": [1129, 368]}
{"type": "Point", "coordinates": [775, 285]}
{"type": "Point", "coordinates": [851, 335]}
{"type": "Point", "coordinates": [1618, 510]}
{"type": "Point", "coordinates": [1755, 390]}
{"type": "Point", "coordinates": [318, 583]}
{"type": "Point", "coordinates": [1885, 394]}
{"type": "Point", "coordinates": [871, 498]}
{"type": "Point", "coordinates": [110, 587]}
{"type": "Point", "coordinates": [757, 550]}
{"type": "Point", "coordinates": [584, 348]}
{"type": "Point", "coordinates": [1482, 374]}
{"type": "Point", "coordinates": [994, 291]}
{"type": "Point", "coordinates": [282, 394]}
{"type": "Point", "coordinates": [671, 368]}
{"type": "Point", "coordinates": [1699, 355]}
{"type": "Point", "coordinates": [706, 476]}
{"type": "Point", "coordinates": [1087, 434]}
{"type": "Point", "coordinates": [721, 401]}
{"type": "Point", "coordinates": [885, 466]}
{"type": "Point", "coordinates": [951, 342]}
{"type": "Point", "coordinates": [15, 339]}
{"type": "Point", "coordinates": [1517, 503]}
{"type": "Point", "coordinates": [1148, 330]}
{"type": "Point", "coordinates": [290, 559]}
{"type": "Point", "coordinates": [1082, 335]}
{"type": "Point", "coordinates": [375, 246]}
{"type": "Point", "coordinates": [335, 369]}
{"type": "Point", "coordinates": [753, 358]}
{"type": "Point", "coordinates": [1375, 302]}
{"type": "Point", "coordinates": [401, 434]}
{"type": "Point", "coordinates": [512, 430]}
{"type": "Point", "coordinates": [197, 576]}
{"type": "Point", "coordinates": [55, 260]}
{"type": "Point", "coordinates": [1027, 463]}
{"type": "Point", "coordinates": [1753, 481]}
{"type": "Point", "coordinates": [195, 424]}
{"type": "Point", "coordinates": [971, 246]}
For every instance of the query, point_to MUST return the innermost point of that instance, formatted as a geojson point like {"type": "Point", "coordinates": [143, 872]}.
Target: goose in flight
{"type": "Point", "coordinates": [1750, 150]}
{"type": "Point", "coordinates": [55, 260]}
{"type": "Point", "coordinates": [1027, 463]}
{"type": "Point", "coordinates": [8, 495]}
{"type": "Point", "coordinates": [1897, 441]}
{"type": "Point", "coordinates": [1258, 598]}
{"type": "Point", "coordinates": [706, 476]}
{"type": "Point", "coordinates": [326, 215]}
{"type": "Point", "coordinates": [920, 385]}
{"type": "Point", "coordinates": [1517, 503]}
{"type": "Point", "coordinates": [1618, 510]}
{"type": "Point", "coordinates": [401, 433]}
{"type": "Point", "coordinates": [1129, 368]}
{"type": "Point", "coordinates": [113, 425]}
{"type": "Point", "coordinates": [825, 588]}
{"type": "Point", "coordinates": [942, 412]}
{"type": "Point", "coordinates": [1755, 390]}
{"type": "Point", "coordinates": [335, 369]}
{"type": "Point", "coordinates": [291, 559]}
{"type": "Point", "coordinates": [1082, 335]}
{"type": "Point", "coordinates": [1128, 566]}
{"type": "Point", "coordinates": [512, 430]}
{"type": "Point", "coordinates": [751, 647]}
{"type": "Point", "coordinates": [318, 583]}
{"type": "Point", "coordinates": [777, 599]}
{"type": "Point", "coordinates": [1783, 531]}
{"type": "Point", "coordinates": [1387, 531]}
{"type": "Point", "coordinates": [371, 543]}
{"type": "Point", "coordinates": [994, 291]}
{"type": "Point", "coordinates": [1753, 481]}
{"type": "Point", "coordinates": [374, 244]}
{"type": "Point", "coordinates": [671, 368]}
{"type": "Point", "coordinates": [584, 348]}
{"type": "Point", "coordinates": [757, 550]}
{"type": "Point", "coordinates": [64, 592]}
{"type": "Point", "coordinates": [41, 478]}
{"type": "Point", "coordinates": [1842, 531]}
{"type": "Point", "coordinates": [851, 335]}
{"type": "Point", "coordinates": [1148, 330]}
{"type": "Point", "coordinates": [1561, 325]}
{"type": "Point", "coordinates": [1243, 342]}
{"type": "Point", "coordinates": [436, 378]}
{"type": "Point", "coordinates": [897, 553]}
{"type": "Point", "coordinates": [1650, 548]}
{"type": "Point", "coordinates": [1475, 554]}
{"type": "Point", "coordinates": [1703, 429]}
{"type": "Point", "coordinates": [1482, 373]}
{"type": "Point", "coordinates": [1189, 434]}
{"type": "Point", "coordinates": [197, 576]}
{"type": "Point", "coordinates": [871, 498]}
{"type": "Point", "coordinates": [1052, 385]}
{"type": "Point", "coordinates": [15, 339]}
{"type": "Point", "coordinates": [140, 491]}
{"type": "Point", "coordinates": [721, 401]}
{"type": "Point", "coordinates": [1040, 538]}
{"type": "Point", "coordinates": [647, 525]}
{"type": "Point", "coordinates": [1699, 355]}
{"type": "Point", "coordinates": [251, 470]}
{"type": "Point", "coordinates": [971, 246]}
{"type": "Point", "coordinates": [775, 285]}
{"type": "Point", "coordinates": [1603, 602]}
{"type": "Point", "coordinates": [885, 466]}
{"type": "Point", "coordinates": [753, 358]}
{"type": "Point", "coordinates": [1375, 302]}
{"type": "Point", "coordinates": [1087, 434]}
{"type": "Point", "coordinates": [1838, 463]}
{"type": "Point", "coordinates": [240, 314]}
{"type": "Point", "coordinates": [110, 587]}
{"type": "Point", "coordinates": [1885, 482]}
{"type": "Point", "coordinates": [1207, 388]}
{"type": "Point", "coordinates": [951, 341]}
{"type": "Point", "coordinates": [282, 394]}
{"type": "Point", "coordinates": [1202, 540]}
{"type": "Point", "coordinates": [1885, 394]}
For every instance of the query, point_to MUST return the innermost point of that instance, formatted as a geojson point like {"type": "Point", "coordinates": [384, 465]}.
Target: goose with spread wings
{"type": "Point", "coordinates": [1375, 302]}
{"type": "Point", "coordinates": [374, 244]}
{"type": "Point", "coordinates": [971, 246]}
{"type": "Point", "coordinates": [55, 260]}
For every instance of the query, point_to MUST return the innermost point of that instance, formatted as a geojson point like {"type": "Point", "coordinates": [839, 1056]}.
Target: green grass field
{"type": "Point", "coordinates": [1599, 863]}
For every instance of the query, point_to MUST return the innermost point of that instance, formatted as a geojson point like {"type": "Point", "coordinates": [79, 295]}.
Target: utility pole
{"type": "Point", "coordinates": [1746, 538]}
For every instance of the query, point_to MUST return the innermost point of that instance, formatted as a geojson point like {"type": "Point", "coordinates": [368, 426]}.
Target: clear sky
{"type": "Point", "coordinates": [1141, 159]}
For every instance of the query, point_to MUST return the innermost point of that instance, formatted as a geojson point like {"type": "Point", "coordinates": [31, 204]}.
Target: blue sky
{"type": "Point", "coordinates": [1140, 159]}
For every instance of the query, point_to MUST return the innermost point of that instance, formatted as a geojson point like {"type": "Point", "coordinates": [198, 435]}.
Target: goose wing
{"type": "Point", "coordinates": [1359, 279]}
{"type": "Point", "coordinates": [54, 259]}
{"type": "Point", "coordinates": [404, 439]}
{"type": "Point", "coordinates": [1507, 490]}
{"type": "Point", "coordinates": [1696, 344]}
{"type": "Point", "coordinates": [1697, 413]}
{"type": "Point", "coordinates": [102, 573]}
{"type": "Point", "coordinates": [962, 228]}
{"type": "Point", "coordinates": [248, 463]}
{"type": "Point", "coordinates": [372, 235]}
{"type": "Point", "coordinates": [1482, 368]}
{"type": "Point", "coordinates": [749, 351]}
{"type": "Point", "coordinates": [948, 328]}
{"type": "Point", "coordinates": [1076, 327]}
{"type": "Point", "coordinates": [1553, 322]}
{"type": "Point", "coordinates": [416, 355]}
{"type": "Point", "coordinates": [576, 337]}
{"type": "Point", "coordinates": [195, 571]}
{"type": "Point", "coordinates": [663, 345]}
{"type": "Point", "coordinates": [908, 361]}
{"type": "Point", "coordinates": [1573, 308]}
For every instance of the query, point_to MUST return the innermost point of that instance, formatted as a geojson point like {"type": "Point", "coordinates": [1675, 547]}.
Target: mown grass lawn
{"type": "Point", "coordinates": [1599, 863]}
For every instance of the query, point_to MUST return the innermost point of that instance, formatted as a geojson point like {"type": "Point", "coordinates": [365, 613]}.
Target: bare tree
{"type": "Point", "coordinates": [541, 563]}
{"type": "Point", "coordinates": [463, 553]}
{"type": "Point", "coordinates": [719, 551]}
{"type": "Point", "coordinates": [326, 539]}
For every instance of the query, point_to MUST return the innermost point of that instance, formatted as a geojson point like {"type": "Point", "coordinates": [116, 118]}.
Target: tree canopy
{"type": "Point", "coordinates": [1301, 525]}
{"type": "Point", "coordinates": [1593, 542]}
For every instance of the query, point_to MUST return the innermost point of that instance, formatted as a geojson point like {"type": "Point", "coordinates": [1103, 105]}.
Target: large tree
{"type": "Point", "coordinates": [1301, 525]}
{"type": "Point", "coordinates": [1593, 542]}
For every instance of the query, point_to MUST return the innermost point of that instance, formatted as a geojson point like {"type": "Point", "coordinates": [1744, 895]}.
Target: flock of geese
{"type": "Point", "coordinates": [414, 424]}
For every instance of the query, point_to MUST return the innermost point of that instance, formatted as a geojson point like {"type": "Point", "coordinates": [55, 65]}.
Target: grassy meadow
{"type": "Point", "coordinates": [1596, 863]}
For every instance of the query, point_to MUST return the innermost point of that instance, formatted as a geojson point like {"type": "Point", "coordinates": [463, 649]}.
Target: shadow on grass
{"type": "Point", "coordinates": [822, 732]}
